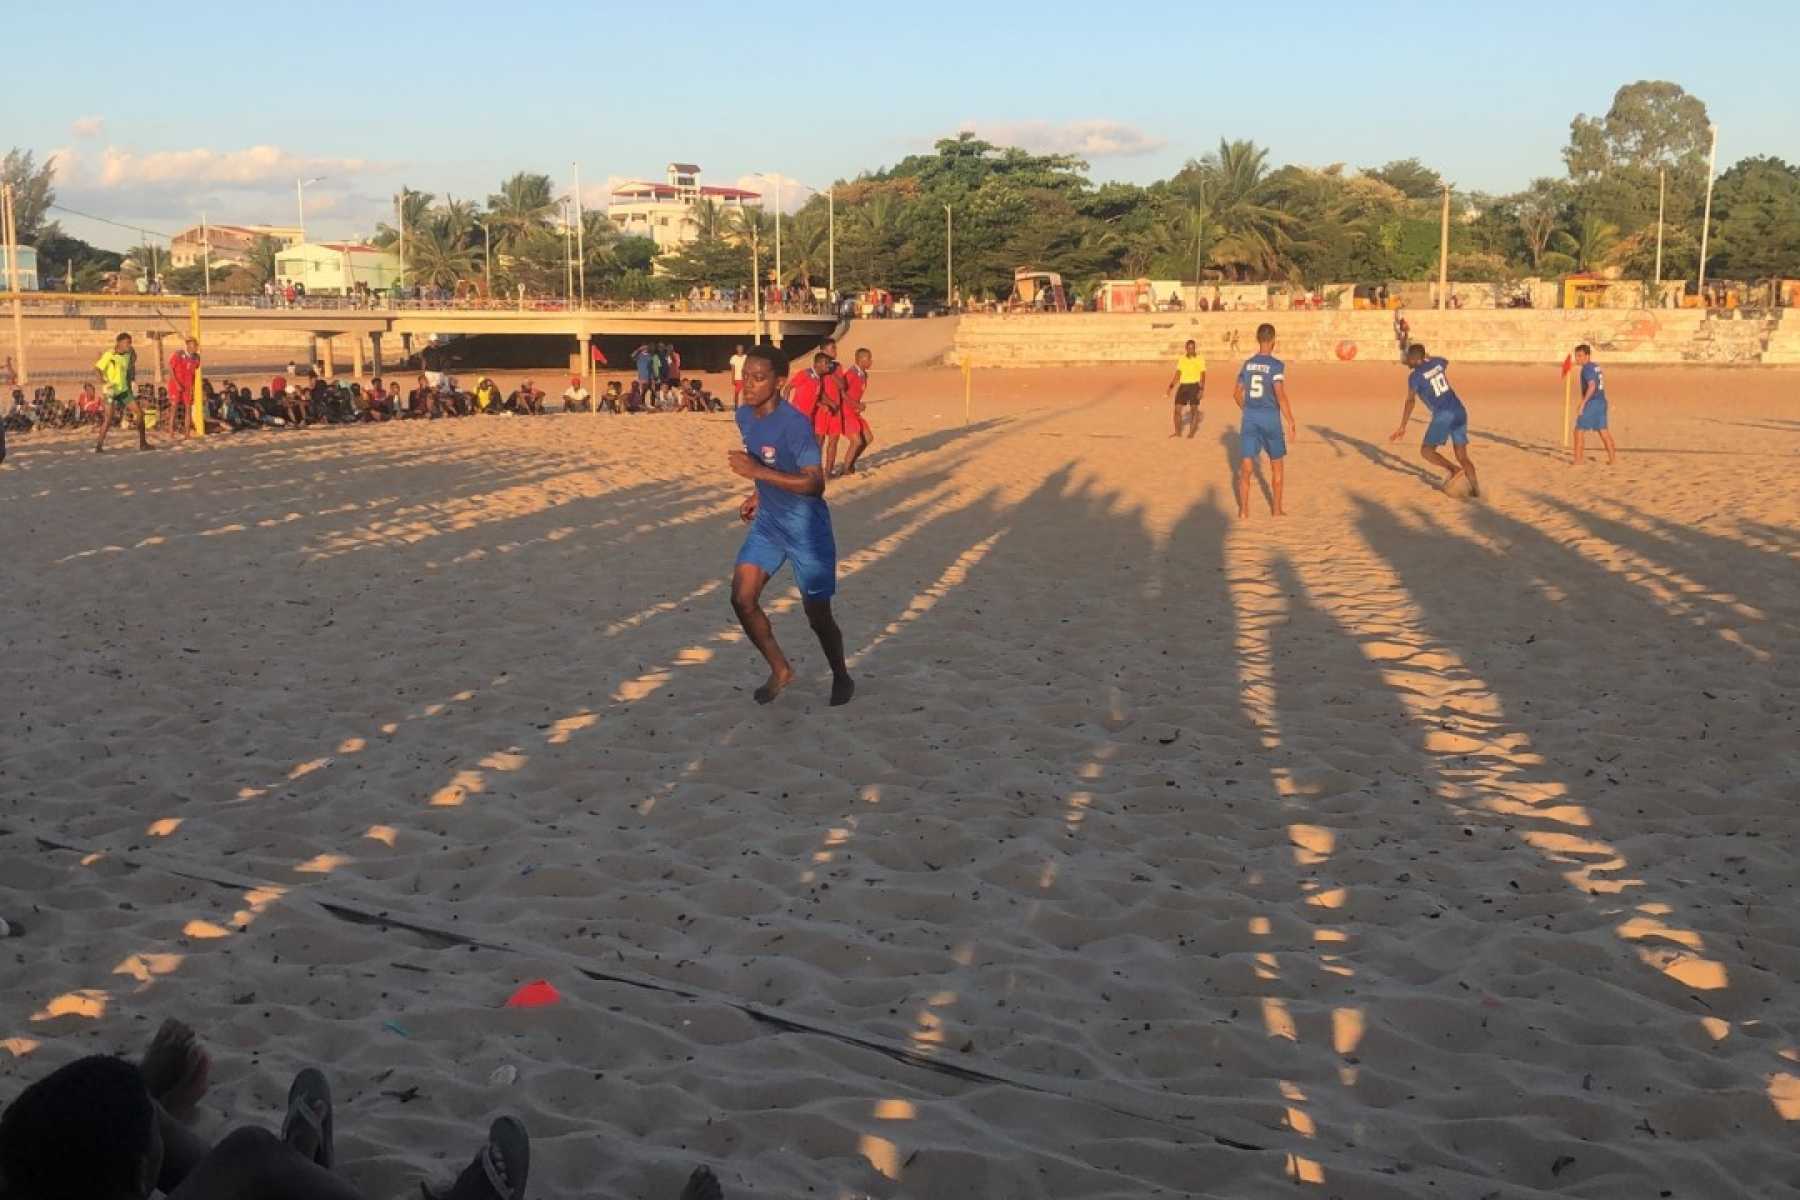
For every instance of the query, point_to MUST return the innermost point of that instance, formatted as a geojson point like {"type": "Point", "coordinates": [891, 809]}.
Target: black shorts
{"type": "Point", "coordinates": [1187, 393]}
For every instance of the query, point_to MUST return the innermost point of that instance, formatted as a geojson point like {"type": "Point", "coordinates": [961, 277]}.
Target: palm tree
{"type": "Point", "coordinates": [523, 204]}
{"type": "Point", "coordinates": [749, 221]}
{"type": "Point", "coordinates": [1592, 245]}
{"type": "Point", "coordinates": [415, 211]}
{"type": "Point", "coordinates": [708, 218]}
{"type": "Point", "coordinates": [439, 260]}
{"type": "Point", "coordinates": [1230, 188]}
{"type": "Point", "coordinates": [455, 220]}
{"type": "Point", "coordinates": [808, 247]}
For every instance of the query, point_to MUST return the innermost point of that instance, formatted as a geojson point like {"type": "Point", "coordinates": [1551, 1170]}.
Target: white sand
{"type": "Point", "coordinates": [1438, 849]}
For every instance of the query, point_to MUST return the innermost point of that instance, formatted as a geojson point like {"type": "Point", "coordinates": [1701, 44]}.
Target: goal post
{"type": "Point", "coordinates": [89, 304]}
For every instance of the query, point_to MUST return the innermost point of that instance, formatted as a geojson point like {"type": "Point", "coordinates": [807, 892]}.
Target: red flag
{"type": "Point", "coordinates": [1568, 361]}
{"type": "Point", "coordinates": [600, 358]}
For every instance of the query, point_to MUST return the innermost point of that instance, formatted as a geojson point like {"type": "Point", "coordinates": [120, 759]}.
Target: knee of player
{"type": "Point", "coordinates": [248, 1143]}
{"type": "Point", "coordinates": [818, 614]}
{"type": "Point", "coordinates": [743, 601]}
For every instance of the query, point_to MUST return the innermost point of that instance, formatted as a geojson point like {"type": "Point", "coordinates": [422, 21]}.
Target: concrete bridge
{"type": "Point", "coordinates": [371, 331]}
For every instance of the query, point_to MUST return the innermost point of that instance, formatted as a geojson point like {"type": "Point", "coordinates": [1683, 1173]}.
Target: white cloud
{"type": "Point", "coordinates": [794, 193]}
{"type": "Point", "coordinates": [1085, 139]}
{"type": "Point", "coordinates": [250, 167]}
{"type": "Point", "coordinates": [87, 127]}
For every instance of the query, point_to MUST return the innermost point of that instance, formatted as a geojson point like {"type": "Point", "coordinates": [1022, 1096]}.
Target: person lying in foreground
{"type": "Point", "coordinates": [102, 1128]}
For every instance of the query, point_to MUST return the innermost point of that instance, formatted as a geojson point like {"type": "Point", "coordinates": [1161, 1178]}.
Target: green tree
{"type": "Point", "coordinates": [416, 209]}
{"type": "Point", "coordinates": [523, 205]}
{"type": "Point", "coordinates": [1756, 208]}
{"type": "Point", "coordinates": [262, 258]}
{"type": "Point", "coordinates": [1614, 160]}
{"type": "Point", "coordinates": [437, 259]}
{"type": "Point", "coordinates": [1410, 177]}
{"type": "Point", "coordinates": [709, 218]}
{"type": "Point", "coordinates": [1593, 243]}
{"type": "Point", "coordinates": [33, 194]}
{"type": "Point", "coordinates": [1541, 210]}
{"type": "Point", "coordinates": [1231, 188]}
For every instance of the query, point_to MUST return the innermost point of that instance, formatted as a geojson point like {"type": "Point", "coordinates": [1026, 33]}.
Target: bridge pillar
{"type": "Point", "coordinates": [356, 357]}
{"type": "Point", "coordinates": [330, 356]}
{"type": "Point", "coordinates": [406, 345]}
{"type": "Point", "coordinates": [375, 344]}
{"type": "Point", "coordinates": [159, 358]}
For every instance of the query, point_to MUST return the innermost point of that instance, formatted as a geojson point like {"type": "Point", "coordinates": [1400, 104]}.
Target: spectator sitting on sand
{"type": "Point", "coordinates": [487, 396]}
{"type": "Point", "coordinates": [105, 1129]}
{"type": "Point", "coordinates": [102, 1128]}
{"type": "Point", "coordinates": [614, 398]}
{"type": "Point", "coordinates": [576, 398]}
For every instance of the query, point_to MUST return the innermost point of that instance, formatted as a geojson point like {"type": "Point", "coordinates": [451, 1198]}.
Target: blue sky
{"type": "Point", "coordinates": [450, 98]}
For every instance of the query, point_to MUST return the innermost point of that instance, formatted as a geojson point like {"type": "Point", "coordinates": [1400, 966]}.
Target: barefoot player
{"type": "Point", "coordinates": [789, 522]}
{"type": "Point", "coordinates": [1261, 395]}
{"type": "Point", "coordinates": [856, 421]}
{"type": "Point", "coordinates": [118, 374]}
{"type": "Point", "coordinates": [1449, 419]}
{"type": "Point", "coordinates": [1189, 385]}
{"type": "Point", "coordinates": [1593, 407]}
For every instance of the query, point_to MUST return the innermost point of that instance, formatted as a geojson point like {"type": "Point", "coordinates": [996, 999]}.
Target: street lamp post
{"type": "Point", "coordinates": [568, 255]}
{"type": "Point", "coordinates": [487, 257]}
{"type": "Point", "coordinates": [831, 238]}
{"type": "Point", "coordinates": [300, 200]}
{"type": "Point", "coordinates": [755, 287]}
{"type": "Point", "coordinates": [580, 237]}
{"type": "Point", "coordinates": [1712, 165]}
{"type": "Point", "coordinates": [949, 258]}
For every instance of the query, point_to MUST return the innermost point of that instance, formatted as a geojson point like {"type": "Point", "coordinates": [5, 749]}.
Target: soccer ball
{"type": "Point", "coordinates": [1346, 350]}
{"type": "Point", "coordinates": [1459, 485]}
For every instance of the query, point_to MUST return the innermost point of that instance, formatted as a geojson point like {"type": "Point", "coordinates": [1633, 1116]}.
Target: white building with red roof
{"type": "Point", "coordinates": [664, 211]}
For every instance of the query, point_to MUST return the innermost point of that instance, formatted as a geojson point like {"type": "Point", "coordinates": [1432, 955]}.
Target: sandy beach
{"type": "Point", "coordinates": [1403, 847]}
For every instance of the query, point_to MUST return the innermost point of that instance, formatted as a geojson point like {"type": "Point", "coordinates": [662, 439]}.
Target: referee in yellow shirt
{"type": "Point", "coordinates": [1188, 384]}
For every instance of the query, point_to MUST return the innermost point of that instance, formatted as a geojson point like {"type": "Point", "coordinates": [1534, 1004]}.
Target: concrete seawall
{"type": "Point", "coordinates": [1658, 336]}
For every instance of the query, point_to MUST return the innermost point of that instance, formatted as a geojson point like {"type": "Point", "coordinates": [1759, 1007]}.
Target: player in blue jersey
{"type": "Point", "coordinates": [1593, 407]}
{"type": "Point", "coordinates": [1261, 395]}
{"type": "Point", "coordinates": [1449, 419]}
{"type": "Point", "coordinates": [788, 523]}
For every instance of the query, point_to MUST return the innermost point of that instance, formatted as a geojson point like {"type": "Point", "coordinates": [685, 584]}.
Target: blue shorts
{"type": "Point", "coordinates": [1260, 431]}
{"type": "Point", "coordinates": [1593, 414]}
{"type": "Point", "coordinates": [1448, 425]}
{"type": "Point", "coordinates": [815, 559]}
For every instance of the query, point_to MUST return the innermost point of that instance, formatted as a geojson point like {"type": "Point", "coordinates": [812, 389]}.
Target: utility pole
{"type": "Point", "coordinates": [568, 258]}
{"type": "Point", "coordinates": [831, 239]}
{"type": "Point", "coordinates": [9, 230]}
{"type": "Point", "coordinates": [949, 259]}
{"type": "Point", "coordinates": [400, 209]}
{"type": "Point", "coordinates": [779, 281]}
{"type": "Point", "coordinates": [580, 237]}
{"type": "Point", "coordinates": [206, 251]}
{"type": "Point", "coordinates": [1656, 294]}
{"type": "Point", "coordinates": [1712, 165]}
{"type": "Point", "coordinates": [755, 287]}
{"type": "Point", "coordinates": [1444, 253]}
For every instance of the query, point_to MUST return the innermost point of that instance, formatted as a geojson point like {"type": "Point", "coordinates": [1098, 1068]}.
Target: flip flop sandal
{"type": "Point", "coordinates": [507, 1142]}
{"type": "Point", "coordinates": [306, 1096]}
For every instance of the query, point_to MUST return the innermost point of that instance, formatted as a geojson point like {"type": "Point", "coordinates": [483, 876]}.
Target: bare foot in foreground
{"type": "Point", "coordinates": [777, 684]}
{"type": "Point", "coordinates": [175, 1069]}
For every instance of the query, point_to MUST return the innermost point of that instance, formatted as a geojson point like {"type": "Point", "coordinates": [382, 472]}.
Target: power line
{"type": "Point", "coordinates": [108, 221]}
